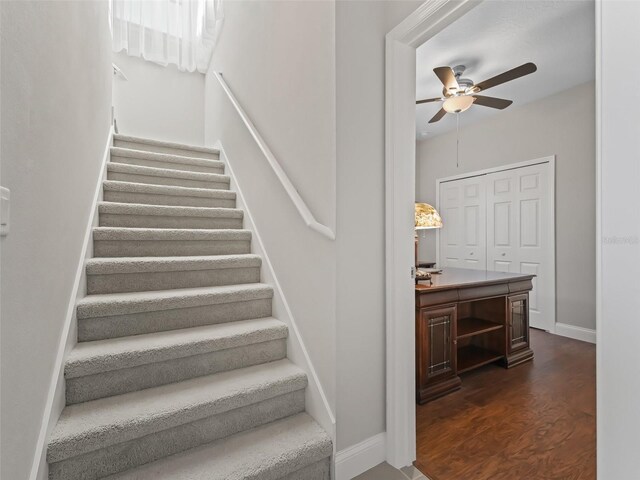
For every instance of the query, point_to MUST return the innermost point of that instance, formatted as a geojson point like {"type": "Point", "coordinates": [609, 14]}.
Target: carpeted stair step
{"type": "Point", "coordinates": [156, 242]}
{"type": "Point", "coordinates": [141, 274]}
{"type": "Point", "coordinates": [137, 215]}
{"type": "Point", "coordinates": [165, 176]}
{"type": "Point", "coordinates": [109, 435]}
{"type": "Point", "coordinates": [133, 313]}
{"type": "Point", "coordinates": [165, 160]}
{"type": "Point", "coordinates": [149, 145]}
{"type": "Point", "coordinates": [111, 367]}
{"type": "Point", "coordinates": [294, 448]}
{"type": "Point", "coordinates": [131, 192]}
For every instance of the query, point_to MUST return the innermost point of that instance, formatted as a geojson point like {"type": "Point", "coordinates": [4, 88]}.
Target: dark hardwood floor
{"type": "Point", "coordinates": [535, 421]}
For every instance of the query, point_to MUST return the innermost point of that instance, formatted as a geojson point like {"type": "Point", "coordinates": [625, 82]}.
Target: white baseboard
{"type": "Point", "coordinates": [359, 458]}
{"type": "Point", "coordinates": [577, 333]}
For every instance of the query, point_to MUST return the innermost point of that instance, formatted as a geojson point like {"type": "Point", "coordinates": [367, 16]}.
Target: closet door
{"type": "Point", "coordinates": [502, 245]}
{"type": "Point", "coordinates": [518, 234]}
{"type": "Point", "coordinates": [463, 235]}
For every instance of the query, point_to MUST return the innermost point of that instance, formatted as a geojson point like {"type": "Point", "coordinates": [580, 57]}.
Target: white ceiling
{"type": "Point", "coordinates": [498, 35]}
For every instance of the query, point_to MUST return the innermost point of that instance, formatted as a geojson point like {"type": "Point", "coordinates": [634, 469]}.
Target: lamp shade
{"type": "Point", "coordinates": [427, 217]}
{"type": "Point", "coordinates": [458, 103]}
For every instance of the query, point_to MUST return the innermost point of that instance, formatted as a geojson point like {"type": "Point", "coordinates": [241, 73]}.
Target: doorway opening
{"type": "Point", "coordinates": [497, 179]}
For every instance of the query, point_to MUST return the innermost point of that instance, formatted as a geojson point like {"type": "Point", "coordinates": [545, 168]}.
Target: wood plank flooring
{"type": "Point", "coordinates": [535, 421]}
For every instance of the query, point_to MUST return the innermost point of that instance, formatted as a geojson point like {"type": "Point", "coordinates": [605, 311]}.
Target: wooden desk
{"type": "Point", "coordinates": [466, 319]}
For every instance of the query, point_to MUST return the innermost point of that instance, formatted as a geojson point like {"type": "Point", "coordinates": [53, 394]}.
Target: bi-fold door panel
{"type": "Point", "coordinates": [463, 241]}
{"type": "Point", "coordinates": [501, 221]}
{"type": "Point", "coordinates": [518, 234]}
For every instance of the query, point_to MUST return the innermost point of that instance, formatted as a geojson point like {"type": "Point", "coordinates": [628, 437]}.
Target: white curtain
{"type": "Point", "coordinates": [179, 32]}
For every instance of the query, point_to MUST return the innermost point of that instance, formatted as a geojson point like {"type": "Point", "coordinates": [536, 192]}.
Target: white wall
{"type": "Point", "coordinates": [618, 328]}
{"type": "Point", "coordinates": [562, 125]}
{"type": "Point", "coordinates": [56, 97]}
{"type": "Point", "coordinates": [296, 68]}
{"type": "Point", "coordinates": [158, 102]}
{"type": "Point", "coordinates": [360, 50]}
{"type": "Point", "coordinates": [278, 60]}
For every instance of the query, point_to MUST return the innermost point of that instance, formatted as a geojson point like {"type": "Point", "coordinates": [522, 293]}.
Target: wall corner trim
{"type": "Point", "coordinates": [577, 333]}
{"type": "Point", "coordinates": [358, 458]}
{"type": "Point", "coordinates": [56, 387]}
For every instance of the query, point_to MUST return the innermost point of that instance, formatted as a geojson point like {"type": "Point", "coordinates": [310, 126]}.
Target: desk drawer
{"type": "Point", "coordinates": [429, 299]}
{"type": "Point", "coordinates": [487, 291]}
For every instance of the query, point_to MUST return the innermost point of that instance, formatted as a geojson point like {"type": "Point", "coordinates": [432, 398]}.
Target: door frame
{"type": "Point", "coordinates": [550, 214]}
{"type": "Point", "coordinates": [400, 87]}
{"type": "Point", "coordinates": [400, 49]}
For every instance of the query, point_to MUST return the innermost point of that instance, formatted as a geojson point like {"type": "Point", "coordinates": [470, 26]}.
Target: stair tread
{"type": "Point", "coordinates": [134, 187]}
{"type": "Point", "coordinates": [164, 157]}
{"type": "Point", "coordinates": [267, 452]}
{"type": "Point", "coordinates": [118, 208]}
{"type": "Point", "coordinates": [111, 265]}
{"type": "Point", "coordinates": [89, 358]}
{"type": "Point", "coordinates": [108, 304]}
{"type": "Point", "coordinates": [85, 427]}
{"type": "Point", "coordinates": [161, 143]}
{"type": "Point", "coordinates": [140, 234]}
{"type": "Point", "coordinates": [166, 172]}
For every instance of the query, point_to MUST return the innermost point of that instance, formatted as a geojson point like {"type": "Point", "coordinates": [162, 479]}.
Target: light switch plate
{"type": "Point", "coordinates": [5, 197]}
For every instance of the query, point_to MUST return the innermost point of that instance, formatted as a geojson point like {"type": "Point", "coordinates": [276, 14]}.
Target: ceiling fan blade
{"type": "Point", "coordinates": [447, 77]}
{"type": "Point", "coordinates": [427, 100]}
{"type": "Point", "coordinates": [499, 103]}
{"type": "Point", "coordinates": [438, 116]}
{"type": "Point", "coordinates": [507, 76]}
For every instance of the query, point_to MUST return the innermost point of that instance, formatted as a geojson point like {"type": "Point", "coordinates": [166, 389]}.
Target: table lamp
{"type": "Point", "coordinates": [427, 217]}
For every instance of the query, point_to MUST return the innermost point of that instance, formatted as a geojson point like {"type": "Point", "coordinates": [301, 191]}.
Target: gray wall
{"type": "Point", "coordinates": [562, 124]}
{"type": "Point", "coordinates": [158, 102]}
{"type": "Point", "coordinates": [311, 77]}
{"type": "Point", "coordinates": [55, 84]}
{"type": "Point", "coordinates": [360, 51]}
{"type": "Point", "coordinates": [277, 57]}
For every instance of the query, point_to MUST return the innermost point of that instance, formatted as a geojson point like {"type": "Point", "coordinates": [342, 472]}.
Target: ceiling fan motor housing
{"type": "Point", "coordinates": [465, 84]}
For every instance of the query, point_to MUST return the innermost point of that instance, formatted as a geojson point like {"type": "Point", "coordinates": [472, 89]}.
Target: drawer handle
{"type": "Point", "coordinates": [503, 254]}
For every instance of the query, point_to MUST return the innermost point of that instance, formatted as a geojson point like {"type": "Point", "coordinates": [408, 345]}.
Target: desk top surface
{"type": "Point", "coordinates": [463, 278]}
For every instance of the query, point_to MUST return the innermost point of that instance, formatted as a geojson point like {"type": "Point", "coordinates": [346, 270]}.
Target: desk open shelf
{"type": "Point", "coordinates": [472, 356]}
{"type": "Point", "coordinates": [480, 327]}
{"type": "Point", "coordinates": [471, 326]}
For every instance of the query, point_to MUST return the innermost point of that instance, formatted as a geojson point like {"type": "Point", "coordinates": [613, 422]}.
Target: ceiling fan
{"type": "Point", "coordinates": [458, 94]}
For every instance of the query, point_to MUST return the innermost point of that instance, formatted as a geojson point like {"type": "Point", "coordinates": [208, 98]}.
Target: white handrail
{"type": "Point", "coordinates": [117, 72]}
{"type": "Point", "coordinates": [295, 197]}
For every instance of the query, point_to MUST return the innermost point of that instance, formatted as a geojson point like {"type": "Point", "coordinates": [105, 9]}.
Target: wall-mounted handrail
{"type": "Point", "coordinates": [295, 197]}
{"type": "Point", "coordinates": [117, 72]}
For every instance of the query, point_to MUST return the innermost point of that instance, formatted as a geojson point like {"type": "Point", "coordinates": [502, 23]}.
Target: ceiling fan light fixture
{"type": "Point", "coordinates": [458, 103]}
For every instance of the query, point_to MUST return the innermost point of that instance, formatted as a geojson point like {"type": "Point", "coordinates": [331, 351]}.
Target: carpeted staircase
{"type": "Point", "coordinates": [180, 371]}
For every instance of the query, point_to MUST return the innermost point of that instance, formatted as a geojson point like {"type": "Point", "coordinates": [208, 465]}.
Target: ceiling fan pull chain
{"type": "Point", "coordinates": [457, 140]}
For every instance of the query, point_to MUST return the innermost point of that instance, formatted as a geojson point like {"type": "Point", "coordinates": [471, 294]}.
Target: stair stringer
{"type": "Point", "coordinates": [317, 404]}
